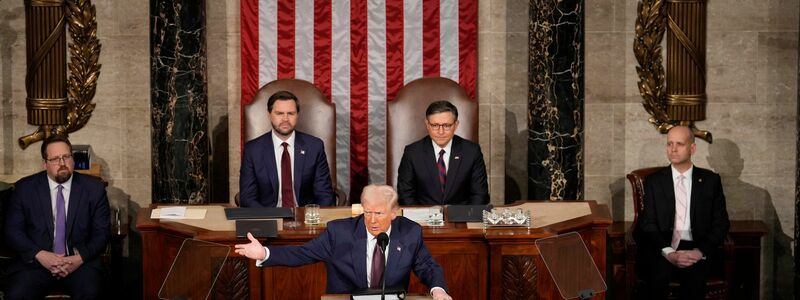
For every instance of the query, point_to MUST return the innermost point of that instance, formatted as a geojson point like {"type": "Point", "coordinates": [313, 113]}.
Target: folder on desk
{"type": "Point", "coordinates": [259, 228]}
{"type": "Point", "coordinates": [237, 213]}
{"type": "Point", "coordinates": [466, 213]}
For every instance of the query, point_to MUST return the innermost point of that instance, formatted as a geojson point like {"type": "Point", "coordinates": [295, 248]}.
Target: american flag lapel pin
{"type": "Point", "coordinates": [398, 248]}
{"type": "Point", "coordinates": [302, 152]}
{"type": "Point", "coordinates": [456, 157]}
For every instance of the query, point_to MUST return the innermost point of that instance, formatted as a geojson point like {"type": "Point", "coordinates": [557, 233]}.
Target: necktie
{"type": "Point", "coordinates": [442, 170]}
{"type": "Point", "coordinates": [680, 212]}
{"type": "Point", "coordinates": [287, 196]}
{"type": "Point", "coordinates": [378, 263]}
{"type": "Point", "coordinates": [59, 244]}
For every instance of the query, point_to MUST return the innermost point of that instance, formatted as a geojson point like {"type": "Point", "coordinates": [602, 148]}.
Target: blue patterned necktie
{"type": "Point", "coordinates": [59, 244]}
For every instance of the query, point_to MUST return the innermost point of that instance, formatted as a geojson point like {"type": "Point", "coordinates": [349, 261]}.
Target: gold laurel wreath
{"type": "Point", "coordinates": [84, 70]}
{"type": "Point", "coordinates": [650, 26]}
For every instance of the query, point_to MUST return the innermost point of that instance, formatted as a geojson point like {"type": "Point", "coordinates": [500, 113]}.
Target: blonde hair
{"type": "Point", "coordinates": [381, 192]}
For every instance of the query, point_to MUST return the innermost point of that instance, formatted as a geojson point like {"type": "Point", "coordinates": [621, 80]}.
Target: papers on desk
{"type": "Point", "coordinates": [178, 213]}
{"type": "Point", "coordinates": [417, 214]}
{"type": "Point", "coordinates": [375, 297]}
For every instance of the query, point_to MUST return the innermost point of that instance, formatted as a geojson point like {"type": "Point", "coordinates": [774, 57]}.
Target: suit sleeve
{"type": "Point", "coordinates": [648, 232]}
{"type": "Point", "coordinates": [323, 190]}
{"type": "Point", "coordinates": [479, 188]}
{"type": "Point", "coordinates": [406, 192]}
{"type": "Point", "coordinates": [98, 237]}
{"type": "Point", "coordinates": [318, 249]}
{"type": "Point", "coordinates": [720, 223]}
{"type": "Point", "coordinates": [425, 267]}
{"type": "Point", "coordinates": [248, 186]}
{"type": "Point", "coordinates": [16, 236]}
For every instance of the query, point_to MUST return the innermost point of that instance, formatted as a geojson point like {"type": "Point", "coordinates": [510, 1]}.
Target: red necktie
{"type": "Point", "coordinates": [442, 171]}
{"type": "Point", "coordinates": [287, 195]}
{"type": "Point", "coordinates": [378, 263]}
{"type": "Point", "coordinates": [680, 212]}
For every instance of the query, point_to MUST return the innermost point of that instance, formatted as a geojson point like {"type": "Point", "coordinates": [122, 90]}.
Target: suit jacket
{"type": "Point", "coordinates": [418, 175]}
{"type": "Point", "coordinates": [707, 212]}
{"type": "Point", "coordinates": [30, 228]}
{"type": "Point", "coordinates": [258, 178]}
{"type": "Point", "coordinates": [343, 248]}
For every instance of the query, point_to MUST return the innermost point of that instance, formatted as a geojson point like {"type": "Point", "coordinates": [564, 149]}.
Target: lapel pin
{"type": "Point", "coordinates": [303, 152]}
{"type": "Point", "coordinates": [456, 157]}
{"type": "Point", "coordinates": [398, 248]}
{"type": "Point", "coordinates": [700, 180]}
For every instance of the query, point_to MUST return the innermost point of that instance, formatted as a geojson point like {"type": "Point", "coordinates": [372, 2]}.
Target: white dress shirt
{"type": "Point", "coordinates": [446, 156]}
{"type": "Point", "coordinates": [686, 231]}
{"type": "Point", "coordinates": [53, 192]}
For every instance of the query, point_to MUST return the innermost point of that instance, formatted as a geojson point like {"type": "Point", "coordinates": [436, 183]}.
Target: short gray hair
{"type": "Point", "coordinates": [386, 192]}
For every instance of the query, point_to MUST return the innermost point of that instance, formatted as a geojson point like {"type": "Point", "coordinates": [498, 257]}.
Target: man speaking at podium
{"type": "Point", "coordinates": [352, 259]}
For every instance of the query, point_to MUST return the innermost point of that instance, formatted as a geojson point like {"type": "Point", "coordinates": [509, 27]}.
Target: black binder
{"type": "Point", "coordinates": [259, 228]}
{"type": "Point", "coordinates": [466, 213]}
{"type": "Point", "coordinates": [237, 213]}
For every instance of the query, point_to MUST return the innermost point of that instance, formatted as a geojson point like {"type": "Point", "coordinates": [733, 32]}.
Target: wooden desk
{"type": "Point", "coordinates": [478, 263]}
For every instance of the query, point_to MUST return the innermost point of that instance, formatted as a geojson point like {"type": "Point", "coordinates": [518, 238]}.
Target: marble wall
{"type": "Point", "coordinates": [752, 90]}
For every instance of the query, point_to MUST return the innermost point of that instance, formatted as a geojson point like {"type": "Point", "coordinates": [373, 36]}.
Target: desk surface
{"type": "Point", "coordinates": [479, 263]}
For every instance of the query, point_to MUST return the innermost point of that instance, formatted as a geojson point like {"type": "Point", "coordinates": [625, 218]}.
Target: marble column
{"type": "Point", "coordinates": [797, 187]}
{"type": "Point", "coordinates": [555, 99]}
{"type": "Point", "coordinates": [179, 101]}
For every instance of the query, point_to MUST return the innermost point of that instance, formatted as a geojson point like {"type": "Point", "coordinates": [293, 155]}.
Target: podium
{"type": "Point", "coordinates": [194, 270]}
{"type": "Point", "coordinates": [571, 266]}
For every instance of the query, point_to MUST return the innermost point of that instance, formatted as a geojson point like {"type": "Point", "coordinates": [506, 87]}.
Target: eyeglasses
{"type": "Point", "coordinates": [441, 126]}
{"type": "Point", "coordinates": [59, 159]}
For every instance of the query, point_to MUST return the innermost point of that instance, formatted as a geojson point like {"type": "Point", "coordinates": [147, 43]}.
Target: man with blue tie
{"type": "Point", "coordinates": [442, 168]}
{"type": "Point", "coordinates": [349, 249]}
{"type": "Point", "coordinates": [284, 167]}
{"type": "Point", "coordinates": [58, 225]}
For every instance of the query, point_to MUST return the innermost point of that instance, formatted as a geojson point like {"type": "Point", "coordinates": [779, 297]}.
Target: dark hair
{"type": "Point", "coordinates": [282, 95]}
{"type": "Point", "coordinates": [440, 107]}
{"type": "Point", "coordinates": [54, 139]}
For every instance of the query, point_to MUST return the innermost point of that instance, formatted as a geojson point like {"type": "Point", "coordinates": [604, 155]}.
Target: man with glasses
{"type": "Point", "coordinates": [352, 259]}
{"type": "Point", "coordinates": [442, 168]}
{"type": "Point", "coordinates": [57, 224]}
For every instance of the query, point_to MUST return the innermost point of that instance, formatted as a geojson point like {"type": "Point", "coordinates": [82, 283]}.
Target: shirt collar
{"type": "Point", "coordinates": [277, 141]}
{"type": "Point", "coordinates": [687, 174]}
{"type": "Point", "coordinates": [446, 148]}
{"type": "Point", "coordinates": [372, 237]}
{"type": "Point", "coordinates": [53, 184]}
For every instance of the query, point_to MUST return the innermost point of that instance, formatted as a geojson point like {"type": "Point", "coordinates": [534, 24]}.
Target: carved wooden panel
{"type": "Point", "coordinates": [233, 280]}
{"type": "Point", "coordinates": [519, 277]}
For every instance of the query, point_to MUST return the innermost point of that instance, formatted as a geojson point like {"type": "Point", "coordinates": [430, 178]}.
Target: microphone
{"type": "Point", "coordinates": [383, 240]}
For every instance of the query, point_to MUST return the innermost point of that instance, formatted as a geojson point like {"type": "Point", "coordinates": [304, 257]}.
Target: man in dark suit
{"type": "Point", "coordinates": [684, 221]}
{"type": "Point", "coordinates": [442, 168]}
{"type": "Point", "coordinates": [57, 224]}
{"type": "Point", "coordinates": [352, 259]}
{"type": "Point", "coordinates": [284, 167]}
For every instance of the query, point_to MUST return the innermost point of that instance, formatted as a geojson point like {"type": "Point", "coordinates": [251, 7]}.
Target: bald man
{"type": "Point", "coordinates": [684, 221]}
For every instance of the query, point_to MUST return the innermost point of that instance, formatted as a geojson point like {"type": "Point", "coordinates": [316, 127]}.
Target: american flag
{"type": "Point", "coordinates": [359, 53]}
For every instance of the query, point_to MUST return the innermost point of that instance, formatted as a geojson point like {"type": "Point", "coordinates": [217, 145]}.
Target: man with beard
{"type": "Point", "coordinates": [57, 223]}
{"type": "Point", "coordinates": [284, 167]}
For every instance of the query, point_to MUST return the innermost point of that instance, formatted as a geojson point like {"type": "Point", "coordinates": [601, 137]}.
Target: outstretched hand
{"type": "Point", "coordinates": [252, 250]}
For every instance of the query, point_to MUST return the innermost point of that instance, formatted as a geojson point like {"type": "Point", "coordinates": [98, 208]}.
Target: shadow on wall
{"type": "Point", "coordinates": [126, 276]}
{"type": "Point", "coordinates": [516, 173]}
{"type": "Point", "coordinates": [8, 38]}
{"type": "Point", "coordinates": [744, 201]}
{"type": "Point", "coordinates": [219, 175]}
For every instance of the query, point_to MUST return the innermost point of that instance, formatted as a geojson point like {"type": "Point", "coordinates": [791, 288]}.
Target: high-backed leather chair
{"type": "Point", "coordinates": [405, 116]}
{"type": "Point", "coordinates": [721, 273]}
{"type": "Point", "coordinates": [317, 117]}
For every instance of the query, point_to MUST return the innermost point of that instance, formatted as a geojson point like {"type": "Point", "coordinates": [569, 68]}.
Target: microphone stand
{"type": "Point", "coordinates": [383, 276]}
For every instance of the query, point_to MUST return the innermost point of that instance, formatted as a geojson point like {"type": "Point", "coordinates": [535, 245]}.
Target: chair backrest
{"type": "Point", "coordinates": [405, 116]}
{"type": "Point", "coordinates": [636, 178]}
{"type": "Point", "coordinates": [317, 115]}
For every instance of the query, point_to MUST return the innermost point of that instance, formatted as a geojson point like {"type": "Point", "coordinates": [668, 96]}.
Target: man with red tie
{"type": "Point", "coordinates": [683, 222]}
{"type": "Point", "coordinates": [284, 167]}
{"type": "Point", "coordinates": [58, 225]}
{"type": "Point", "coordinates": [442, 168]}
{"type": "Point", "coordinates": [349, 248]}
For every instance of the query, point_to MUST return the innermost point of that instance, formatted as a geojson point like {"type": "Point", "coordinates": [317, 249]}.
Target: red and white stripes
{"type": "Point", "coordinates": [359, 53]}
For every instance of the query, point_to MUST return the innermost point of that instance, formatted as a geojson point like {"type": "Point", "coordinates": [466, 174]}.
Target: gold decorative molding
{"type": "Point", "coordinates": [46, 104]}
{"type": "Point", "coordinates": [684, 101]}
